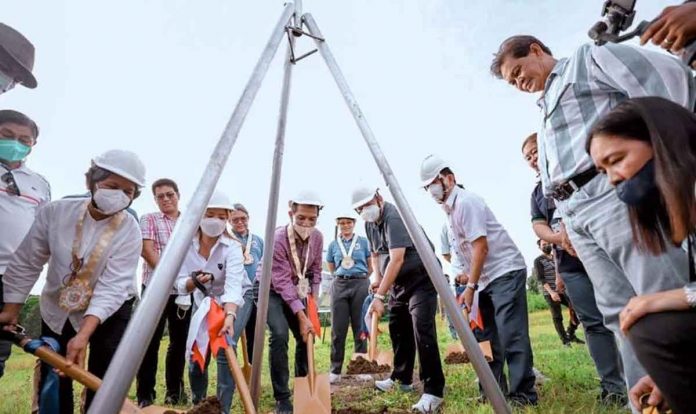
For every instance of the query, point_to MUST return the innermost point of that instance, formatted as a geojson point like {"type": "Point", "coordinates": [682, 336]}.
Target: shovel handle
{"type": "Point", "coordinates": [374, 327]}
{"type": "Point", "coordinates": [245, 352]}
{"type": "Point", "coordinates": [310, 362]}
{"type": "Point", "coordinates": [238, 376]}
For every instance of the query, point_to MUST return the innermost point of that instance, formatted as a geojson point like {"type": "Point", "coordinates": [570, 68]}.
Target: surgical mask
{"type": "Point", "coordinates": [546, 249]}
{"type": "Point", "coordinates": [110, 201]}
{"type": "Point", "coordinates": [12, 150]}
{"type": "Point", "coordinates": [437, 192]}
{"type": "Point", "coordinates": [6, 83]}
{"type": "Point", "coordinates": [638, 188]}
{"type": "Point", "coordinates": [213, 226]}
{"type": "Point", "coordinates": [302, 231]}
{"type": "Point", "coordinates": [370, 213]}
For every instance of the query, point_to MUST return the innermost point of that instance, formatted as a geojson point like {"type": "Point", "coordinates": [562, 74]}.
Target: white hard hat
{"type": "Point", "coordinates": [308, 198]}
{"type": "Point", "coordinates": [123, 163]}
{"type": "Point", "coordinates": [430, 169]}
{"type": "Point", "coordinates": [362, 195]}
{"type": "Point", "coordinates": [220, 200]}
{"type": "Point", "coordinates": [346, 215]}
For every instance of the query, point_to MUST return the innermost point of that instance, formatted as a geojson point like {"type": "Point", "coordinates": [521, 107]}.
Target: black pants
{"type": "Point", "coordinates": [557, 315]}
{"type": "Point", "coordinates": [665, 344]}
{"type": "Point", "coordinates": [250, 329]}
{"type": "Point", "coordinates": [282, 321]}
{"type": "Point", "coordinates": [102, 346]}
{"type": "Point", "coordinates": [347, 297]}
{"type": "Point", "coordinates": [5, 346]}
{"type": "Point", "coordinates": [178, 325]}
{"type": "Point", "coordinates": [411, 327]}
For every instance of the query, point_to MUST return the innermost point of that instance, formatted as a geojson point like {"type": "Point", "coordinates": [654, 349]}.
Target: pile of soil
{"type": "Point", "coordinates": [361, 365]}
{"type": "Point", "coordinates": [457, 358]}
{"type": "Point", "coordinates": [210, 405]}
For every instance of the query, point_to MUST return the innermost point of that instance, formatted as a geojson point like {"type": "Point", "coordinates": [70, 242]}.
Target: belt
{"type": "Point", "coordinates": [564, 191]}
{"type": "Point", "coordinates": [360, 276]}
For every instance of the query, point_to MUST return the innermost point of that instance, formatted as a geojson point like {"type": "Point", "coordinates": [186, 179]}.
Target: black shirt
{"type": "Point", "coordinates": [545, 272]}
{"type": "Point", "coordinates": [544, 208]}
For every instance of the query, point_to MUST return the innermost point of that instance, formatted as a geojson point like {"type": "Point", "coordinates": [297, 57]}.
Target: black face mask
{"type": "Point", "coordinates": [638, 188]}
{"type": "Point", "coordinates": [546, 249]}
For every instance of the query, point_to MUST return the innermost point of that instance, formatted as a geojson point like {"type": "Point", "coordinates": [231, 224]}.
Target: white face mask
{"type": "Point", "coordinates": [437, 192]}
{"type": "Point", "coordinates": [110, 201]}
{"type": "Point", "coordinates": [302, 231]}
{"type": "Point", "coordinates": [370, 213]}
{"type": "Point", "coordinates": [213, 226]}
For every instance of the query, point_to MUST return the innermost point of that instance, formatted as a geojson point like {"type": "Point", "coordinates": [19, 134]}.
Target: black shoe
{"type": "Point", "coordinates": [521, 401]}
{"type": "Point", "coordinates": [566, 343]}
{"type": "Point", "coordinates": [283, 407]}
{"type": "Point", "coordinates": [144, 403]}
{"type": "Point", "coordinates": [573, 338]}
{"type": "Point", "coordinates": [613, 399]}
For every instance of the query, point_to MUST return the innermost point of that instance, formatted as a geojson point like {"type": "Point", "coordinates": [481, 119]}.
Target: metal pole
{"type": "Point", "coordinates": [488, 382]}
{"type": "Point", "coordinates": [271, 219]}
{"type": "Point", "coordinates": [134, 343]}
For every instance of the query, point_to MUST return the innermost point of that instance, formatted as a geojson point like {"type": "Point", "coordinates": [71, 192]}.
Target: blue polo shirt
{"type": "Point", "coordinates": [256, 252]}
{"type": "Point", "coordinates": [361, 254]}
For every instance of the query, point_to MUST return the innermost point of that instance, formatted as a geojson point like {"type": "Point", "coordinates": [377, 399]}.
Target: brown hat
{"type": "Point", "coordinates": [17, 53]}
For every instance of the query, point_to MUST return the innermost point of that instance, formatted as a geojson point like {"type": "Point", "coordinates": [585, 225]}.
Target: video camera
{"type": "Point", "coordinates": [617, 16]}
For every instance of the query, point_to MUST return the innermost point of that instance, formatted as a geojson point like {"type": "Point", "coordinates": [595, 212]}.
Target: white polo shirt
{"type": "Point", "coordinates": [225, 263]}
{"type": "Point", "coordinates": [17, 212]}
{"type": "Point", "coordinates": [50, 241]}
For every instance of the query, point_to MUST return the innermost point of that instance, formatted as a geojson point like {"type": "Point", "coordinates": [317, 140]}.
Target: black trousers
{"type": "Point", "coordinates": [250, 329]}
{"type": "Point", "coordinates": [557, 316]}
{"type": "Point", "coordinates": [178, 324]}
{"type": "Point", "coordinates": [665, 344]}
{"type": "Point", "coordinates": [102, 346]}
{"type": "Point", "coordinates": [411, 327]}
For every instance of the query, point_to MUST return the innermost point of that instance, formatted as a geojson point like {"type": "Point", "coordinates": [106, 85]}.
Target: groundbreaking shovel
{"type": "Point", "coordinates": [242, 386]}
{"type": "Point", "coordinates": [246, 368]}
{"type": "Point", "coordinates": [458, 349]}
{"type": "Point", "coordinates": [312, 394]}
{"type": "Point", "coordinates": [381, 357]}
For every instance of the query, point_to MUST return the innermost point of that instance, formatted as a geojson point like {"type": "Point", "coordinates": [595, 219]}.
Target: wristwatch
{"type": "Point", "coordinates": [380, 297]}
{"type": "Point", "coordinates": [232, 314]}
{"type": "Point", "coordinates": [472, 286]}
{"type": "Point", "coordinates": [690, 291]}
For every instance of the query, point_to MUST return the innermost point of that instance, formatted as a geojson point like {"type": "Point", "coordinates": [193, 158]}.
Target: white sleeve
{"type": "Point", "coordinates": [183, 276]}
{"type": "Point", "coordinates": [234, 275]}
{"type": "Point", "coordinates": [113, 285]}
{"type": "Point", "coordinates": [29, 259]}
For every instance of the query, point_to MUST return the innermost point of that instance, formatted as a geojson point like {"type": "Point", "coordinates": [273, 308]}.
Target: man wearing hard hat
{"type": "Point", "coordinates": [295, 274]}
{"type": "Point", "coordinates": [413, 299]}
{"type": "Point", "coordinates": [497, 276]}
{"type": "Point", "coordinates": [92, 249]}
{"type": "Point", "coordinates": [16, 59]}
{"type": "Point", "coordinates": [348, 260]}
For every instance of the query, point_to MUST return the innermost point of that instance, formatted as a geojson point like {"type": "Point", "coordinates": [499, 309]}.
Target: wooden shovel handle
{"type": "Point", "coordinates": [245, 352]}
{"type": "Point", "coordinates": [238, 376]}
{"type": "Point", "coordinates": [310, 362]}
{"type": "Point", "coordinates": [374, 327]}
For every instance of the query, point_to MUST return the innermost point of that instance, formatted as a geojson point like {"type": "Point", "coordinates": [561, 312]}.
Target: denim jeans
{"type": "Point", "coordinates": [225, 382]}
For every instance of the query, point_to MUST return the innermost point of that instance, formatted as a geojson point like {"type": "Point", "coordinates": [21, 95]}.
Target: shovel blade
{"type": "Point", "coordinates": [305, 401]}
{"type": "Point", "coordinates": [385, 358]}
{"type": "Point", "coordinates": [454, 349]}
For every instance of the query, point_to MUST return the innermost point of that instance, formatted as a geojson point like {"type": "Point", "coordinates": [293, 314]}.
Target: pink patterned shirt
{"type": "Point", "coordinates": [158, 228]}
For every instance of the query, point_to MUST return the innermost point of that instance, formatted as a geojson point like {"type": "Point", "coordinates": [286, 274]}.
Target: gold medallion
{"type": "Point", "coordinates": [303, 288]}
{"type": "Point", "coordinates": [248, 259]}
{"type": "Point", "coordinates": [347, 262]}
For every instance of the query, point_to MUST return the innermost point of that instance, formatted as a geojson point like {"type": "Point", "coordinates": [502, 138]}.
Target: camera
{"type": "Point", "coordinates": [617, 16]}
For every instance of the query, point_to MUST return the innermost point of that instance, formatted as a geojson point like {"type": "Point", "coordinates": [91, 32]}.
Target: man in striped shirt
{"type": "Point", "coordinates": [576, 92]}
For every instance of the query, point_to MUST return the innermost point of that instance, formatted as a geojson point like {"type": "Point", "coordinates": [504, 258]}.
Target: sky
{"type": "Point", "coordinates": [161, 78]}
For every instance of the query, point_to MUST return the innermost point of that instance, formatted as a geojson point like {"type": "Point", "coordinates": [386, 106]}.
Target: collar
{"type": "Point", "coordinates": [347, 240]}
{"type": "Point", "coordinates": [555, 72]}
{"type": "Point", "coordinates": [22, 167]}
{"type": "Point", "coordinates": [448, 205]}
{"type": "Point", "coordinates": [178, 214]}
{"type": "Point", "coordinates": [223, 239]}
{"type": "Point", "coordinates": [241, 236]}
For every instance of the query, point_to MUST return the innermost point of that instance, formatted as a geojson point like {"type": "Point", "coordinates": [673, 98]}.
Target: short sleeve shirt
{"type": "Point", "coordinates": [360, 255]}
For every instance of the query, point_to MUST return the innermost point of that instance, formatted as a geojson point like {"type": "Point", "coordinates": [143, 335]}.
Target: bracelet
{"type": "Point", "coordinates": [232, 314]}
{"type": "Point", "coordinates": [690, 292]}
{"type": "Point", "coordinates": [472, 286]}
{"type": "Point", "coordinates": [380, 297]}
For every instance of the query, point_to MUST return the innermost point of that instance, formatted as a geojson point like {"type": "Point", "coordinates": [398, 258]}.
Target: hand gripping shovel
{"type": "Point", "coordinates": [456, 354]}
{"type": "Point", "coordinates": [52, 358]}
{"type": "Point", "coordinates": [246, 368]}
{"type": "Point", "coordinates": [312, 393]}
{"type": "Point", "coordinates": [242, 386]}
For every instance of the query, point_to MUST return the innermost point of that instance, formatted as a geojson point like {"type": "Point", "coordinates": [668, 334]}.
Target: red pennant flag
{"type": "Point", "coordinates": [216, 320]}
{"type": "Point", "coordinates": [313, 314]}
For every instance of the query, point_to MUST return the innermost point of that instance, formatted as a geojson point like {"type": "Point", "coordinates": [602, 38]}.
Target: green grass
{"type": "Point", "coordinates": [572, 388]}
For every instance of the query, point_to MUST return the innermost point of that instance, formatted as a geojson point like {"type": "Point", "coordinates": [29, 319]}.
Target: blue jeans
{"type": "Point", "coordinates": [598, 226]}
{"type": "Point", "coordinates": [225, 382]}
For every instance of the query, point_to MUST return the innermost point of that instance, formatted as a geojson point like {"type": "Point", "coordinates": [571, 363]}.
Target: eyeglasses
{"type": "Point", "coordinates": [9, 179]}
{"type": "Point", "coordinates": [170, 195]}
{"type": "Point", "coordinates": [240, 220]}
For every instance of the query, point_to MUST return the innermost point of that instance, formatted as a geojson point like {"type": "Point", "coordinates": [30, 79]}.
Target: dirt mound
{"type": "Point", "coordinates": [210, 405]}
{"type": "Point", "coordinates": [457, 358]}
{"type": "Point", "coordinates": [361, 365]}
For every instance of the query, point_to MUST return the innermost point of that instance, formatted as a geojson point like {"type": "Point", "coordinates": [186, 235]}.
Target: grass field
{"type": "Point", "coordinates": [572, 388]}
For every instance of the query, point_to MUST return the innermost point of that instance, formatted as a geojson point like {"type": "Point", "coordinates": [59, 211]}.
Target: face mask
{"type": "Point", "coordinates": [110, 201]}
{"type": "Point", "coordinates": [6, 83]}
{"type": "Point", "coordinates": [212, 226]}
{"type": "Point", "coordinates": [303, 232]}
{"type": "Point", "coordinates": [13, 151]}
{"type": "Point", "coordinates": [370, 213]}
{"type": "Point", "coordinates": [638, 188]}
{"type": "Point", "coordinates": [437, 192]}
{"type": "Point", "coordinates": [546, 249]}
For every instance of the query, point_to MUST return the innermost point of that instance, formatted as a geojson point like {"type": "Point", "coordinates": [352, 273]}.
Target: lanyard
{"type": "Point", "coordinates": [293, 253]}
{"type": "Point", "coordinates": [349, 253]}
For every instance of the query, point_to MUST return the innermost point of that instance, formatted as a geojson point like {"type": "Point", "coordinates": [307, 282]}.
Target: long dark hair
{"type": "Point", "coordinates": [671, 131]}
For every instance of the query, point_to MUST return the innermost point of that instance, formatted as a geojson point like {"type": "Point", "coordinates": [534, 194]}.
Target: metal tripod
{"type": "Point", "coordinates": [134, 343]}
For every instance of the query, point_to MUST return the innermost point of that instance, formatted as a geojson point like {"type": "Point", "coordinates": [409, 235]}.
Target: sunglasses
{"type": "Point", "coordinates": [9, 179]}
{"type": "Point", "coordinates": [169, 195]}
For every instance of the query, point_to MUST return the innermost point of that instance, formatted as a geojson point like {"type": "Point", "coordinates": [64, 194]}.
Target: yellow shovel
{"type": "Point", "coordinates": [246, 368]}
{"type": "Point", "coordinates": [312, 393]}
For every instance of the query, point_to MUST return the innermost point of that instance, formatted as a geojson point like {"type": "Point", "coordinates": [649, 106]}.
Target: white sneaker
{"type": "Point", "coordinates": [387, 384]}
{"type": "Point", "coordinates": [334, 378]}
{"type": "Point", "coordinates": [539, 378]}
{"type": "Point", "coordinates": [428, 403]}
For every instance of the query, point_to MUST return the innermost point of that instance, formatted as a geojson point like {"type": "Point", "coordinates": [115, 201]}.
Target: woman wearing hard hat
{"type": "Point", "coordinates": [348, 260]}
{"type": "Point", "coordinates": [214, 270]}
{"type": "Point", "coordinates": [92, 249]}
